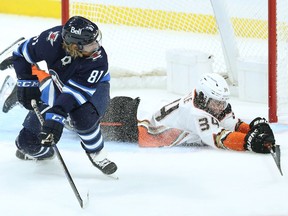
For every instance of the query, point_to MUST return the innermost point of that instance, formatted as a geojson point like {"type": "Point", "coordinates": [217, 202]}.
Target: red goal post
{"type": "Point", "coordinates": [64, 11]}
{"type": "Point", "coordinates": [272, 56]}
{"type": "Point", "coordinates": [257, 33]}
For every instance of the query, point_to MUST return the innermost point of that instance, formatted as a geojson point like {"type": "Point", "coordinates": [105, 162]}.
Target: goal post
{"type": "Point", "coordinates": [139, 34]}
{"type": "Point", "coordinates": [272, 56]}
{"type": "Point", "coordinates": [64, 11]}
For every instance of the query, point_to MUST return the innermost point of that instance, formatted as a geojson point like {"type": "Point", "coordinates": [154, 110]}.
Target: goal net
{"type": "Point", "coordinates": [137, 35]}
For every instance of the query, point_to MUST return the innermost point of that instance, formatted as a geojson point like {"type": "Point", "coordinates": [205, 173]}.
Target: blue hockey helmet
{"type": "Point", "coordinates": [81, 31]}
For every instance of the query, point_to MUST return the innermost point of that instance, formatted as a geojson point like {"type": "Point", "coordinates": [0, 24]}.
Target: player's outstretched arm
{"type": "Point", "coordinates": [257, 137]}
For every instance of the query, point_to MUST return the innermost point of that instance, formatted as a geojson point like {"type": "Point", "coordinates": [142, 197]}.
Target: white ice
{"type": "Point", "coordinates": [182, 181]}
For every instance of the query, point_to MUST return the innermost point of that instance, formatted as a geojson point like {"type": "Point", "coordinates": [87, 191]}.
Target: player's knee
{"type": "Point", "coordinates": [85, 117]}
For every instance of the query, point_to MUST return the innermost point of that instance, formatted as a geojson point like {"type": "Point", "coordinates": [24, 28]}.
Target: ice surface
{"type": "Point", "coordinates": [180, 181]}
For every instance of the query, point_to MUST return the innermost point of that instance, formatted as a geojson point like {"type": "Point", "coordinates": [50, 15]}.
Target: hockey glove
{"type": "Point", "coordinates": [52, 127]}
{"type": "Point", "coordinates": [258, 121]}
{"type": "Point", "coordinates": [260, 138]}
{"type": "Point", "coordinates": [28, 89]}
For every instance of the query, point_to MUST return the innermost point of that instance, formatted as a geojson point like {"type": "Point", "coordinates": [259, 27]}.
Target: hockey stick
{"type": "Point", "coordinates": [14, 43]}
{"type": "Point", "coordinates": [276, 156]}
{"type": "Point", "coordinates": [73, 186]}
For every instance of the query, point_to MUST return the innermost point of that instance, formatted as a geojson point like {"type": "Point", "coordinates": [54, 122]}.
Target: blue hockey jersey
{"type": "Point", "coordinates": [75, 79]}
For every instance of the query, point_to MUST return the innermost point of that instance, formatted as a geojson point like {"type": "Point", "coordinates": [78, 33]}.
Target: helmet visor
{"type": "Point", "coordinates": [92, 47]}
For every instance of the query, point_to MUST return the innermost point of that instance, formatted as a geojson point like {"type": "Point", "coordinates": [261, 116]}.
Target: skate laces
{"type": "Point", "coordinates": [103, 163]}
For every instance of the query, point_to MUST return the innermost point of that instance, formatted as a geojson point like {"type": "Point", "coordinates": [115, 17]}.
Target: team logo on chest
{"type": "Point", "coordinates": [66, 60]}
{"type": "Point", "coordinates": [52, 37]}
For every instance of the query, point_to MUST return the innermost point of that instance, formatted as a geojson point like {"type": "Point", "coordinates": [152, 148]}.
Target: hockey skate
{"type": "Point", "coordinates": [6, 91]}
{"type": "Point", "coordinates": [100, 161]}
{"type": "Point", "coordinates": [24, 156]}
{"type": "Point", "coordinates": [11, 101]}
{"type": "Point", "coordinates": [48, 155]}
{"type": "Point", "coordinates": [6, 63]}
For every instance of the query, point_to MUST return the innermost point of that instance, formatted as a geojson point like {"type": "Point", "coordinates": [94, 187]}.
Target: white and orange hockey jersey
{"type": "Point", "coordinates": [181, 122]}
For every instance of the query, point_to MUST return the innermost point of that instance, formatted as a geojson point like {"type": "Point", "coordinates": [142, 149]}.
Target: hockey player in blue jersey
{"type": "Point", "coordinates": [78, 87]}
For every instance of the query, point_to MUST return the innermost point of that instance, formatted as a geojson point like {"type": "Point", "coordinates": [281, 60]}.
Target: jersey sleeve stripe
{"type": "Point", "coordinates": [89, 91]}
{"type": "Point", "coordinates": [25, 52]}
{"type": "Point", "coordinates": [77, 95]}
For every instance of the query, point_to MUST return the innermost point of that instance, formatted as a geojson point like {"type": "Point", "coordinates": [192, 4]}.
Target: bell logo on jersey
{"type": "Point", "coordinates": [52, 37]}
{"type": "Point", "coordinates": [76, 31]}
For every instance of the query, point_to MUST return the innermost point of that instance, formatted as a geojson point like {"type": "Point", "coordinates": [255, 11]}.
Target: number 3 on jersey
{"type": "Point", "coordinates": [205, 124]}
{"type": "Point", "coordinates": [95, 76]}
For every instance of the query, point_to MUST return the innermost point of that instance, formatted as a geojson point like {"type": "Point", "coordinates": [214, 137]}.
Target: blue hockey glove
{"type": "Point", "coordinates": [52, 127]}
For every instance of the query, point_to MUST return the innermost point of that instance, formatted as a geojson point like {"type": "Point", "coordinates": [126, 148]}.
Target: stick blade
{"type": "Point", "coordinates": [85, 202]}
{"type": "Point", "coordinates": [277, 157]}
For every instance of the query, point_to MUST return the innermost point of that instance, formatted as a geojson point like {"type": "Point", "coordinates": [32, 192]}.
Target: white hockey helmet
{"type": "Point", "coordinates": [214, 86]}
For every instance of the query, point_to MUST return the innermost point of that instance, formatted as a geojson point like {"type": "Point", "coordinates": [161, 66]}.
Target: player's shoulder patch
{"type": "Point", "coordinates": [95, 55]}
{"type": "Point", "coordinates": [53, 36]}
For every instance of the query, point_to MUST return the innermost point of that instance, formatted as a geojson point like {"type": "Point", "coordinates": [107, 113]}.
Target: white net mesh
{"type": "Point", "coordinates": [137, 34]}
{"type": "Point", "coordinates": [282, 59]}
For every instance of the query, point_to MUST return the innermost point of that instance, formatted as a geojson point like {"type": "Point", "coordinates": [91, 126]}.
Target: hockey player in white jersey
{"type": "Point", "coordinates": [205, 116]}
